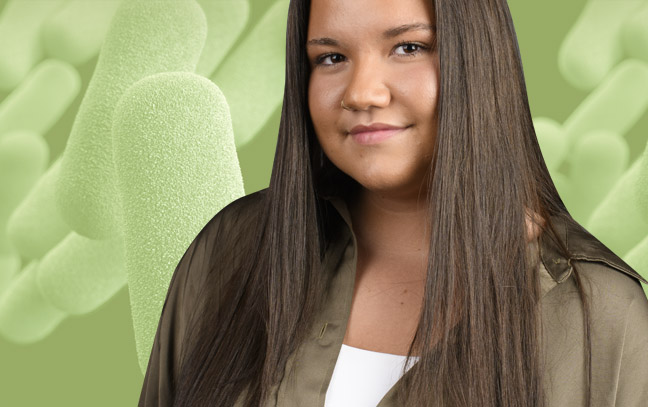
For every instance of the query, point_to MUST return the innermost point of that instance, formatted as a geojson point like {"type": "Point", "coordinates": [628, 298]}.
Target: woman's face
{"type": "Point", "coordinates": [362, 52]}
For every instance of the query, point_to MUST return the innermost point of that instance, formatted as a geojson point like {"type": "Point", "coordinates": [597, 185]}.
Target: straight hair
{"type": "Point", "coordinates": [486, 171]}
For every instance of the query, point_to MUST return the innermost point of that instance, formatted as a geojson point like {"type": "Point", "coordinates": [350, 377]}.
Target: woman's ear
{"type": "Point", "coordinates": [534, 224]}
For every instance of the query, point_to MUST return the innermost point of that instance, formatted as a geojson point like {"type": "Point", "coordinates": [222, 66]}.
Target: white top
{"type": "Point", "coordinates": [361, 377]}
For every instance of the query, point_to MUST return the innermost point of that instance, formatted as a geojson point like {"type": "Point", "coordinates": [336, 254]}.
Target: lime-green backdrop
{"type": "Point", "coordinates": [586, 71]}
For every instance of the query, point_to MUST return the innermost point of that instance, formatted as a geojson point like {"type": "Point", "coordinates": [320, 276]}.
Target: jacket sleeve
{"type": "Point", "coordinates": [164, 361]}
{"type": "Point", "coordinates": [632, 390]}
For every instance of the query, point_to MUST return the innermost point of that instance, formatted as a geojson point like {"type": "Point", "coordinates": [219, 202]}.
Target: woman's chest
{"type": "Point", "coordinates": [371, 303]}
{"type": "Point", "coordinates": [385, 307]}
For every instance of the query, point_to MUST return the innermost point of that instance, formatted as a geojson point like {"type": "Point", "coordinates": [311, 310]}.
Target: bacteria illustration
{"type": "Point", "coordinates": [126, 125]}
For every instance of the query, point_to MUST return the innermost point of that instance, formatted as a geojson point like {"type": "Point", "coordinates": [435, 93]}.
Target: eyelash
{"type": "Point", "coordinates": [421, 48]}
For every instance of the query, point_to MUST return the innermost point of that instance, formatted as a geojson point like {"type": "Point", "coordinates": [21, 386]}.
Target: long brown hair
{"type": "Point", "coordinates": [486, 171]}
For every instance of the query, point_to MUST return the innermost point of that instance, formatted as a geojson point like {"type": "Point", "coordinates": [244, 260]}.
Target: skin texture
{"type": "Point", "coordinates": [380, 81]}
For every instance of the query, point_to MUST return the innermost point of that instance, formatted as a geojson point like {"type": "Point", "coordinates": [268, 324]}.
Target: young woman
{"type": "Point", "coordinates": [410, 226]}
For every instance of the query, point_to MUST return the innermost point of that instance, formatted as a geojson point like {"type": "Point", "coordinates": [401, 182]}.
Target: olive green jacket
{"type": "Point", "coordinates": [619, 317]}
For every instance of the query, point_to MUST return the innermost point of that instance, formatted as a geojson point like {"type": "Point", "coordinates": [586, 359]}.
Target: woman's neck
{"type": "Point", "coordinates": [389, 227]}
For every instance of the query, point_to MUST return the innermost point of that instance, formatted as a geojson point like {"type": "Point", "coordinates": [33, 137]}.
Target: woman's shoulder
{"type": "Point", "coordinates": [225, 239]}
{"type": "Point", "coordinates": [613, 288]}
{"type": "Point", "coordinates": [211, 256]}
{"type": "Point", "coordinates": [239, 212]}
{"type": "Point", "coordinates": [590, 256]}
{"type": "Point", "coordinates": [609, 288]}
{"type": "Point", "coordinates": [218, 246]}
{"type": "Point", "coordinates": [618, 320]}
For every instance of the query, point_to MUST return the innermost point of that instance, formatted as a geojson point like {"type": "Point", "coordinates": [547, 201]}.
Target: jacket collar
{"type": "Point", "coordinates": [580, 243]}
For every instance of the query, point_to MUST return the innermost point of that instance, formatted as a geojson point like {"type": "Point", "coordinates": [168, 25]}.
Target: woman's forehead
{"type": "Point", "coordinates": [343, 16]}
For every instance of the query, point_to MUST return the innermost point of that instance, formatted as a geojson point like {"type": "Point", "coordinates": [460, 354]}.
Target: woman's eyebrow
{"type": "Point", "coordinates": [396, 31]}
{"type": "Point", "coordinates": [390, 33]}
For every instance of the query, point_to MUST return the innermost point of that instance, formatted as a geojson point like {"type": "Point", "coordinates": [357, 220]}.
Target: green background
{"type": "Point", "coordinates": [90, 360]}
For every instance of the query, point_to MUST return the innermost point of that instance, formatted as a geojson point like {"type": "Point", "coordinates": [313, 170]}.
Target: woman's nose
{"type": "Point", "coordinates": [366, 86]}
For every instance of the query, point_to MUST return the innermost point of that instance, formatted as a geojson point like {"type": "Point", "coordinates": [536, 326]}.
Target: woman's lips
{"type": "Point", "coordinates": [377, 136]}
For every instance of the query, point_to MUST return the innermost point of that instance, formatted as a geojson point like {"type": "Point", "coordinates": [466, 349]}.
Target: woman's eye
{"type": "Point", "coordinates": [415, 48]}
{"type": "Point", "coordinates": [321, 59]}
{"type": "Point", "coordinates": [410, 48]}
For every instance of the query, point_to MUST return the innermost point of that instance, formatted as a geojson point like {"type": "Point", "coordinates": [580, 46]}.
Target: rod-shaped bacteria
{"type": "Point", "coordinates": [23, 159]}
{"type": "Point", "coordinates": [145, 37]}
{"type": "Point", "coordinates": [20, 42]}
{"type": "Point", "coordinates": [177, 166]}
{"type": "Point", "coordinates": [75, 32]}
{"type": "Point", "coordinates": [620, 233]}
{"type": "Point", "coordinates": [252, 75]}
{"type": "Point", "coordinates": [615, 105]}
{"type": "Point", "coordinates": [41, 99]}
{"type": "Point", "coordinates": [9, 267]}
{"type": "Point", "coordinates": [25, 315]}
{"type": "Point", "coordinates": [592, 46]}
{"type": "Point", "coordinates": [80, 274]}
{"type": "Point", "coordinates": [35, 226]}
{"type": "Point", "coordinates": [635, 34]}
{"type": "Point", "coordinates": [226, 20]}
{"type": "Point", "coordinates": [597, 162]}
{"type": "Point", "coordinates": [641, 187]}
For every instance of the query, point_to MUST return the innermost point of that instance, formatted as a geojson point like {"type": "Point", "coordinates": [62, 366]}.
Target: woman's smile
{"type": "Point", "coordinates": [373, 90]}
{"type": "Point", "coordinates": [368, 137]}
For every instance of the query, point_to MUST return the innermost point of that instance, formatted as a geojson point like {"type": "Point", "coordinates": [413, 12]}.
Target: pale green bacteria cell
{"type": "Point", "coordinates": [20, 45]}
{"type": "Point", "coordinates": [226, 20]}
{"type": "Point", "coordinates": [641, 187]}
{"type": "Point", "coordinates": [597, 162]}
{"type": "Point", "coordinates": [615, 105]}
{"type": "Point", "coordinates": [41, 99]}
{"type": "Point", "coordinates": [145, 37]}
{"type": "Point", "coordinates": [177, 166]}
{"type": "Point", "coordinates": [9, 267]}
{"type": "Point", "coordinates": [23, 159]}
{"type": "Point", "coordinates": [593, 45]}
{"type": "Point", "coordinates": [80, 274]}
{"type": "Point", "coordinates": [36, 226]}
{"type": "Point", "coordinates": [635, 34]}
{"type": "Point", "coordinates": [620, 233]}
{"type": "Point", "coordinates": [75, 32]}
{"type": "Point", "coordinates": [552, 140]}
{"type": "Point", "coordinates": [25, 316]}
{"type": "Point", "coordinates": [252, 75]}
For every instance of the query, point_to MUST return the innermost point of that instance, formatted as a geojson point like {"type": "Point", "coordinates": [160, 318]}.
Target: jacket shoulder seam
{"type": "Point", "coordinates": [615, 266]}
